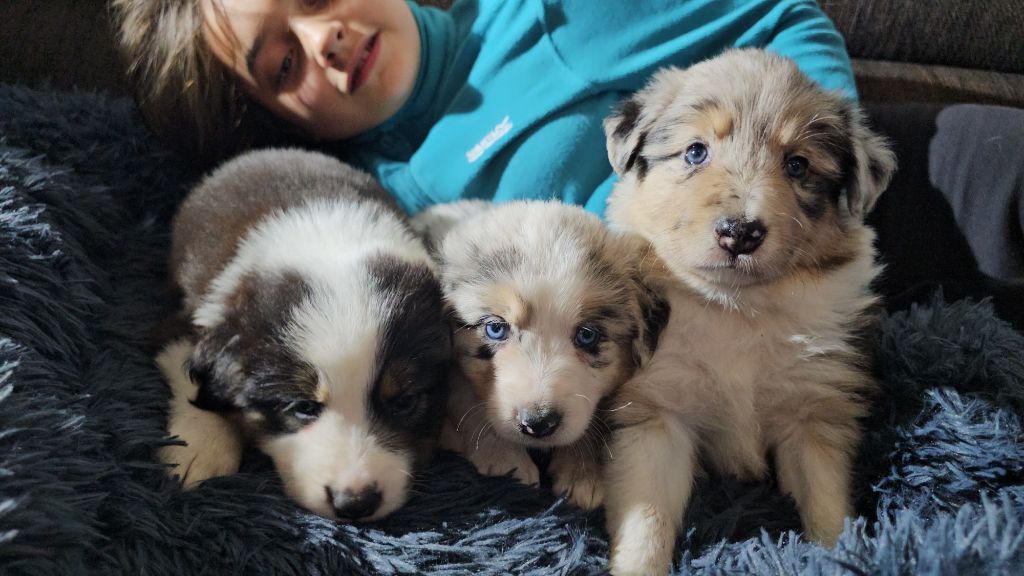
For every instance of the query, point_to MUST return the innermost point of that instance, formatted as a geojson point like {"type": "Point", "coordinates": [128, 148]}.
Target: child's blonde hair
{"type": "Point", "coordinates": [186, 95]}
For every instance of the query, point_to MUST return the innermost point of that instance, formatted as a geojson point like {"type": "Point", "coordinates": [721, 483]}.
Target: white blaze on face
{"type": "Point", "coordinates": [338, 330]}
{"type": "Point", "coordinates": [342, 455]}
{"type": "Point", "coordinates": [539, 367]}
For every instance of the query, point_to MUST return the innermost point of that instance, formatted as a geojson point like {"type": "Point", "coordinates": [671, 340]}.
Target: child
{"type": "Point", "coordinates": [496, 99]}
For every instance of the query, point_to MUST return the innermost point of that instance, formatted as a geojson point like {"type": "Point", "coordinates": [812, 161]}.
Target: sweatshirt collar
{"type": "Point", "coordinates": [401, 134]}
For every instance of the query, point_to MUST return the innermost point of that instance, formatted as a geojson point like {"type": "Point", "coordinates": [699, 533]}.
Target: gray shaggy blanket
{"type": "Point", "coordinates": [85, 199]}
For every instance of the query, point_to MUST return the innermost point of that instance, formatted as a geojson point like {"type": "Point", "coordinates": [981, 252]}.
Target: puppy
{"type": "Point", "coordinates": [751, 182]}
{"type": "Point", "coordinates": [319, 333]}
{"type": "Point", "coordinates": [549, 319]}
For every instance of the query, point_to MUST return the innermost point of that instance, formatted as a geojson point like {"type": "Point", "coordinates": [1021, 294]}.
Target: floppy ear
{"type": "Point", "coordinates": [215, 370]}
{"type": "Point", "coordinates": [623, 136]}
{"type": "Point", "coordinates": [874, 163]}
{"type": "Point", "coordinates": [653, 315]}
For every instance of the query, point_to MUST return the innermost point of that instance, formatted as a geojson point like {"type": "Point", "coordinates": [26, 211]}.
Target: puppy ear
{"type": "Point", "coordinates": [214, 369]}
{"type": "Point", "coordinates": [874, 163]}
{"type": "Point", "coordinates": [653, 315]}
{"type": "Point", "coordinates": [624, 138]}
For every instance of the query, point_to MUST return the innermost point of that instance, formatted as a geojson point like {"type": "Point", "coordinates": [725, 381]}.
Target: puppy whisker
{"type": "Point", "coordinates": [485, 426]}
{"type": "Point", "coordinates": [794, 218]}
{"type": "Point", "coordinates": [458, 427]}
{"type": "Point", "coordinates": [626, 405]}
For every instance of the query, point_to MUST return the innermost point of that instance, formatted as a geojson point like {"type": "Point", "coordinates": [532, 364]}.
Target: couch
{"type": "Point", "coordinates": [85, 200]}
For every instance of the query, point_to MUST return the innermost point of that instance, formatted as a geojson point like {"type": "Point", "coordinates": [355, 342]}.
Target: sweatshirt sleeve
{"type": "Point", "coordinates": [618, 44]}
{"type": "Point", "coordinates": [804, 33]}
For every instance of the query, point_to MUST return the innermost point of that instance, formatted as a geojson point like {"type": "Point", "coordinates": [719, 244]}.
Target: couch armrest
{"type": "Point", "coordinates": [883, 81]}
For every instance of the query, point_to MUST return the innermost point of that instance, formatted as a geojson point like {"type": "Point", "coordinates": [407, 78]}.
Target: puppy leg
{"type": "Point", "coordinates": [213, 443]}
{"type": "Point", "coordinates": [649, 482]}
{"type": "Point", "coordinates": [576, 471]}
{"type": "Point", "coordinates": [813, 463]}
{"type": "Point", "coordinates": [467, 431]}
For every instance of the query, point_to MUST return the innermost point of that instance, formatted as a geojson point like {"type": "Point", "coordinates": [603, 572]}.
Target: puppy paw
{"type": "Point", "coordinates": [212, 447]}
{"type": "Point", "coordinates": [500, 461]}
{"type": "Point", "coordinates": [579, 481]}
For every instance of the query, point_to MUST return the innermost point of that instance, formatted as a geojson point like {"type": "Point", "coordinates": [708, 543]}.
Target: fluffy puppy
{"type": "Point", "coordinates": [751, 182]}
{"type": "Point", "coordinates": [319, 331]}
{"type": "Point", "coordinates": [549, 319]}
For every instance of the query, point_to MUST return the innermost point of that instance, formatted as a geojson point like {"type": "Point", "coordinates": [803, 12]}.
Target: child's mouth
{"type": "Point", "coordinates": [367, 57]}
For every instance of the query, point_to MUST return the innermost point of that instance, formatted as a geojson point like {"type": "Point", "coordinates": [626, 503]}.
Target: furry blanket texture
{"type": "Point", "coordinates": [85, 201]}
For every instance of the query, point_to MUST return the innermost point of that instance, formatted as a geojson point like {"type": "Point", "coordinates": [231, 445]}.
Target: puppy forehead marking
{"type": "Point", "coordinates": [499, 262]}
{"type": "Point", "coordinates": [505, 301]}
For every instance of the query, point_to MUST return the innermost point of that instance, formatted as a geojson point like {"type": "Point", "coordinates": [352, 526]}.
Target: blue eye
{"type": "Point", "coordinates": [496, 330]}
{"type": "Point", "coordinates": [796, 166]}
{"type": "Point", "coordinates": [586, 337]}
{"type": "Point", "coordinates": [696, 153]}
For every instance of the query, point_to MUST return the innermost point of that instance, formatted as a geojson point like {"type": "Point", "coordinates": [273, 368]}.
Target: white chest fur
{"type": "Point", "coordinates": [738, 374]}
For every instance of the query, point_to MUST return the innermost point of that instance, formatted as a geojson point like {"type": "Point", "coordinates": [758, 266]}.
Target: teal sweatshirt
{"type": "Point", "coordinates": [511, 94]}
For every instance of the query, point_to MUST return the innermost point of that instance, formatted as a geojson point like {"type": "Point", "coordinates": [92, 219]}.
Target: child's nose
{"type": "Point", "coordinates": [323, 41]}
{"type": "Point", "coordinates": [331, 49]}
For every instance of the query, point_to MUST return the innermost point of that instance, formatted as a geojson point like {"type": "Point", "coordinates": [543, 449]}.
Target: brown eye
{"type": "Point", "coordinates": [304, 410]}
{"type": "Point", "coordinates": [285, 69]}
{"type": "Point", "coordinates": [405, 404]}
{"type": "Point", "coordinates": [796, 166]}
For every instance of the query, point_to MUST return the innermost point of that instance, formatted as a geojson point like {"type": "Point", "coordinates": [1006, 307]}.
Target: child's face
{"type": "Point", "coordinates": [332, 68]}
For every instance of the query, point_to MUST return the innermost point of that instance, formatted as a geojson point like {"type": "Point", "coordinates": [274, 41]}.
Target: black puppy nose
{"type": "Point", "coordinates": [539, 423]}
{"type": "Point", "coordinates": [739, 236]}
{"type": "Point", "coordinates": [353, 506]}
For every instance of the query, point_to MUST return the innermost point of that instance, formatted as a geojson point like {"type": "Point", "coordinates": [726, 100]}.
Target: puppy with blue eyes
{"type": "Point", "coordinates": [751, 183]}
{"type": "Point", "coordinates": [318, 333]}
{"type": "Point", "coordinates": [550, 317]}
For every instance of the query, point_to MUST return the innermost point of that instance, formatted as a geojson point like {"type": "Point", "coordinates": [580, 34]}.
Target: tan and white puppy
{"type": "Point", "coordinates": [319, 333]}
{"type": "Point", "coordinates": [751, 182]}
{"type": "Point", "coordinates": [549, 319]}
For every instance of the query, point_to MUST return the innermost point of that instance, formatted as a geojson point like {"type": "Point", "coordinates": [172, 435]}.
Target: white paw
{"type": "Point", "coordinates": [213, 443]}
{"type": "Point", "coordinates": [213, 447]}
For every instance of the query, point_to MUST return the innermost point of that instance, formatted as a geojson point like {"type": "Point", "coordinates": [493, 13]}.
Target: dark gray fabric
{"type": "Point", "coordinates": [957, 200]}
{"type": "Point", "coordinates": [85, 197]}
{"type": "Point", "coordinates": [976, 159]}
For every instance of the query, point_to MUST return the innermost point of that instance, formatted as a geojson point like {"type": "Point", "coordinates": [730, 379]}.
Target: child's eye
{"type": "Point", "coordinates": [286, 67]}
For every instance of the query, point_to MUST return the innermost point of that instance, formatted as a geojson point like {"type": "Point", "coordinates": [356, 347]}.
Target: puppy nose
{"type": "Point", "coordinates": [354, 505]}
{"type": "Point", "coordinates": [739, 236]}
{"type": "Point", "coordinates": [539, 423]}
